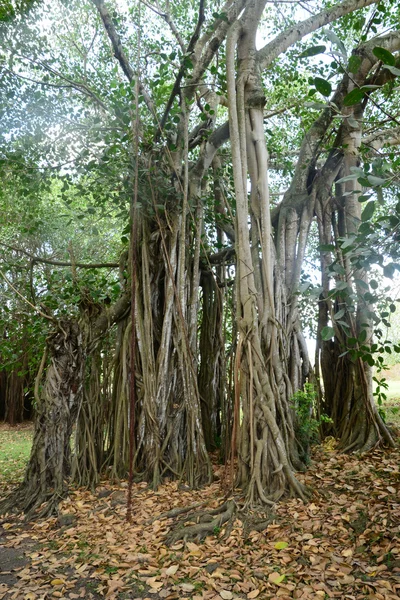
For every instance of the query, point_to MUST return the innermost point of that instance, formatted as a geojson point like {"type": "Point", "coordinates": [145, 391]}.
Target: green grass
{"type": "Point", "coordinates": [15, 448]}
{"type": "Point", "coordinates": [391, 405]}
{"type": "Point", "coordinates": [393, 393]}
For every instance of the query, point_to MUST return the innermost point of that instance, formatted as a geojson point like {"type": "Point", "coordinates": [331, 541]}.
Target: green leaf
{"type": "Point", "coordinates": [316, 105]}
{"type": "Point", "coordinates": [323, 86]}
{"type": "Point", "coordinates": [376, 180]}
{"type": "Point", "coordinates": [349, 241]}
{"type": "Point", "coordinates": [341, 285]}
{"type": "Point", "coordinates": [344, 325]}
{"type": "Point", "coordinates": [281, 545]}
{"type": "Point", "coordinates": [354, 63]}
{"type": "Point", "coordinates": [363, 336]}
{"type": "Point", "coordinates": [368, 211]}
{"type": "Point", "coordinates": [332, 37]}
{"type": "Point", "coordinates": [353, 122]}
{"type": "Point", "coordinates": [312, 51]}
{"type": "Point", "coordinates": [353, 97]}
{"type": "Point", "coordinates": [384, 55]}
{"type": "Point", "coordinates": [327, 333]}
{"type": "Point", "coordinates": [303, 287]}
{"type": "Point", "coordinates": [337, 268]}
{"type": "Point", "coordinates": [388, 270]}
{"type": "Point", "coordinates": [347, 178]}
{"type": "Point", "coordinates": [327, 247]}
{"type": "Point", "coordinates": [187, 63]}
{"type": "Point", "coordinates": [369, 359]}
{"type": "Point", "coordinates": [339, 314]}
{"type": "Point", "coordinates": [393, 70]}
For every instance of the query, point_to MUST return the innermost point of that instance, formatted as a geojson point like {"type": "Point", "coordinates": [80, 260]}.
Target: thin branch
{"type": "Point", "coordinates": [119, 52]}
{"type": "Point", "coordinates": [381, 138]}
{"type": "Point", "coordinates": [59, 263]}
{"type": "Point", "coordinates": [167, 18]}
{"type": "Point", "coordinates": [181, 73]}
{"type": "Point", "coordinates": [78, 86]}
{"type": "Point", "coordinates": [35, 308]}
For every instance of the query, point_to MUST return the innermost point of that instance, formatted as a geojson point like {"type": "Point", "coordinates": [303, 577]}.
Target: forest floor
{"type": "Point", "coordinates": [345, 543]}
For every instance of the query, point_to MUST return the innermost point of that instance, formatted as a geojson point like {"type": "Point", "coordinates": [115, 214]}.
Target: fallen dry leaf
{"type": "Point", "coordinates": [226, 594]}
{"type": "Point", "coordinates": [345, 544]}
{"type": "Point", "coordinates": [172, 570]}
{"type": "Point", "coordinates": [253, 594]}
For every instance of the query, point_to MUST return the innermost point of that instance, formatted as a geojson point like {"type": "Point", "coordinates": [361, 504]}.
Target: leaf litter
{"type": "Point", "coordinates": [344, 544]}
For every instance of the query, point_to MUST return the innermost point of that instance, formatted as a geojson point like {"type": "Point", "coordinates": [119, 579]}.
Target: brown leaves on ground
{"type": "Point", "coordinates": [344, 544]}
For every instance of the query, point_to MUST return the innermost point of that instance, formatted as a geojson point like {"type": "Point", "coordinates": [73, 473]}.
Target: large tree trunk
{"type": "Point", "coordinates": [57, 406]}
{"type": "Point", "coordinates": [267, 446]}
{"type": "Point", "coordinates": [349, 400]}
{"type": "Point", "coordinates": [169, 434]}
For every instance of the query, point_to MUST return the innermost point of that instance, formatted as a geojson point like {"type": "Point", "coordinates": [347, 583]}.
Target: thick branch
{"type": "Point", "coordinates": [298, 31]}
{"type": "Point", "coordinates": [223, 256]}
{"type": "Point", "coordinates": [387, 137]}
{"type": "Point", "coordinates": [215, 141]}
{"type": "Point", "coordinates": [110, 315]}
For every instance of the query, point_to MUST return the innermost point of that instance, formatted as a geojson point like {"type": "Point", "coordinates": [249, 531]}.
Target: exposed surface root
{"type": "Point", "coordinates": [175, 512]}
{"type": "Point", "coordinates": [35, 506]}
{"type": "Point", "coordinates": [207, 523]}
{"type": "Point", "coordinates": [203, 523]}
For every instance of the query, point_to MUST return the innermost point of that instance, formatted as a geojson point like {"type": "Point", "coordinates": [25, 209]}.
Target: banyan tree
{"type": "Point", "coordinates": [174, 107]}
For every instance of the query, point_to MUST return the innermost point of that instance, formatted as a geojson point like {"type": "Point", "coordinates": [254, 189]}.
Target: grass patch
{"type": "Point", "coordinates": [391, 405]}
{"type": "Point", "coordinates": [393, 393]}
{"type": "Point", "coordinates": [15, 448]}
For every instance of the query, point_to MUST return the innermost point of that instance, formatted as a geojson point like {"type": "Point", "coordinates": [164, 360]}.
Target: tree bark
{"type": "Point", "coordinates": [48, 471]}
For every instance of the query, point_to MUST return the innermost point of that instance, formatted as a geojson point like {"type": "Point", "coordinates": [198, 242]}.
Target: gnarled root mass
{"type": "Point", "coordinates": [202, 523]}
{"type": "Point", "coordinates": [198, 524]}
